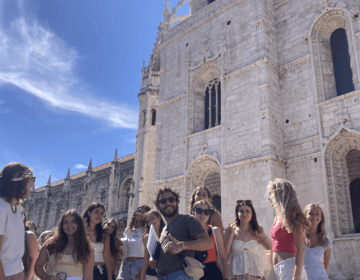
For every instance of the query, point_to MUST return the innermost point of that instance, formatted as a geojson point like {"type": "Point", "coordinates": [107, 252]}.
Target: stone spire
{"type": "Point", "coordinates": [49, 181]}
{"type": "Point", "coordinates": [68, 174]}
{"type": "Point", "coordinates": [116, 155]}
{"type": "Point", "coordinates": [166, 14]}
{"type": "Point", "coordinates": [90, 165]}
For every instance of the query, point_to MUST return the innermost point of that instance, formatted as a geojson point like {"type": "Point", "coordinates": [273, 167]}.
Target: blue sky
{"type": "Point", "coordinates": [70, 72]}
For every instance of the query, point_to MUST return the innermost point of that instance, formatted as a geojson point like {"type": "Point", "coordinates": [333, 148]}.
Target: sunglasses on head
{"type": "Point", "coordinates": [199, 211]}
{"type": "Point", "coordinates": [240, 201]}
{"type": "Point", "coordinates": [171, 199]}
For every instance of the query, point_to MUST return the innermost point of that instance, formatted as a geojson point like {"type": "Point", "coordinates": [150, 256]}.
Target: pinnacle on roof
{"type": "Point", "coordinates": [49, 181]}
{"type": "Point", "coordinates": [90, 165]}
{"type": "Point", "coordinates": [116, 155]}
{"type": "Point", "coordinates": [68, 174]}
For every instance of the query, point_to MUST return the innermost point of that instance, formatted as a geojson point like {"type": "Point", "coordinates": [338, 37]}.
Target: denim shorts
{"type": "Point", "coordinates": [129, 270]}
{"type": "Point", "coordinates": [178, 275]}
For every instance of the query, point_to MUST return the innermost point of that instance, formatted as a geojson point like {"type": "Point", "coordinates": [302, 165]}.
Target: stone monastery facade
{"type": "Point", "coordinates": [238, 93]}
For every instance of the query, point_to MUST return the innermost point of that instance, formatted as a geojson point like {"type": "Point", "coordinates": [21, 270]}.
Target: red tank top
{"type": "Point", "coordinates": [283, 241]}
{"type": "Point", "coordinates": [212, 256]}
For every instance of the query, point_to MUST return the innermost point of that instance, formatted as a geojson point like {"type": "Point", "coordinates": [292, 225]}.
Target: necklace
{"type": "Point", "coordinates": [14, 211]}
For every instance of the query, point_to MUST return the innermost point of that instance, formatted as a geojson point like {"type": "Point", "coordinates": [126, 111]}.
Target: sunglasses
{"type": "Point", "coordinates": [240, 201]}
{"type": "Point", "coordinates": [171, 199]}
{"type": "Point", "coordinates": [32, 178]}
{"type": "Point", "coordinates": [199, 211]}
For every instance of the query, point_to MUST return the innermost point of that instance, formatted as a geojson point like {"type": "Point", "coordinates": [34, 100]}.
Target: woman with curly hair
{"type": "Point", "coordinates": [287, 231]}
{"type": "Point", "coordinates": [68, 252]}
{"type": "Point", "coordinates": [203, 193]}
{"type": "Point", "coordinates": [131, 266]}
{"type": "Point", "coordinates": [317, 244]}
{"type": "Point", "coordinates": [16, 181]}
{"type": "Point", "coordinates": [110, 228]}
{"type": "Point", "coordinates": [242, 242]}
{"type": "Point", "coordinates": [153, 218]}
{"type": "Point", "coordinates": [93, 216]}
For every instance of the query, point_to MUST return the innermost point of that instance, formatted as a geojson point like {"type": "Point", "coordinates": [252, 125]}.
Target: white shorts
{"type": "Point", "coordinates": [285, 270]}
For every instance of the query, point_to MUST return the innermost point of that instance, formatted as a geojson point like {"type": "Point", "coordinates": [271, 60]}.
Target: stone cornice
{"type": "Point", "coordinates": [203, 131]}
{"type": "Point", "coordinates": [303, 158]}
{"type": "Point", "coordinates": [197, 20]}
{"type": "Point", "coordinates": [281, 3]}
{"type": "Point", "coordinates": [295, 62]}
{"type": "Point", "coordinates": [160, 182]}
{"type": "Point", "coordinates": [253, 160]}
{"type": "Point", "coordinates": [173, 100]}
{"type": "Point", "coordinates": [338, 98]}
{"type": "Point", "coordinates": [301, 141]}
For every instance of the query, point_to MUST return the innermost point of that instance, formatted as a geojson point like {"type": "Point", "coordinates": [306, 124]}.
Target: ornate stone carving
{"type": "Point", "coordinates": [197, 173]}
{"type": "Point", "coordinates": [354, 11]}
{"type": "Point", "coordinates": [337, 179]}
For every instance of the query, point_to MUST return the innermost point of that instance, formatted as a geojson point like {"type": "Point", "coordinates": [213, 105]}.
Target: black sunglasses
{"type": "Point", "coordinates": [240, 201]}
{"type": "Point", "coordinates": [171, 199]}
{"type": "Point", "coordinates": [199, 211]}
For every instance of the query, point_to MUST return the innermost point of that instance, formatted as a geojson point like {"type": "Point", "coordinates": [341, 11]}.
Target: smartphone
{"type": "Point", "coordinates": [61, 275]}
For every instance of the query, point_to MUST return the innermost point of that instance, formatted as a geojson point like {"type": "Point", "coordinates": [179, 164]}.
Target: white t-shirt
{"type": "Point", "coordinates": [135, 243]}
{"type": "Point", "coordinates": [13, 244]}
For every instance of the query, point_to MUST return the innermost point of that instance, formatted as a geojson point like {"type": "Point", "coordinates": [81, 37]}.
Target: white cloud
{"type": "Point", "coordinates": [80, 166]}
{"type": "Point", "coordinates": [36, 60]}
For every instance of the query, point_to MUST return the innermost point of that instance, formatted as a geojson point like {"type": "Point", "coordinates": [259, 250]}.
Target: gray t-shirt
{"type": "Point", "coordinates": [183, 228]}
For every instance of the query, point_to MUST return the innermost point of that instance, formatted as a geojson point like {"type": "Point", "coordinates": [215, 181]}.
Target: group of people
{"type": "Point", "coordinates": [86, 247]}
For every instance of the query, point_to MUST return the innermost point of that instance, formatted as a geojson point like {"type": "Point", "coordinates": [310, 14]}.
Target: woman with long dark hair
{"type": "Point", "coordinates": [242, 241]}
{"type": "Point", "coordinates": [31, 251]}
{"type": "Point", "coordinates": [16, 181]}
{"type": "Point", "coordinates": [131, 266]}
{"type": "Point", "coordinates": [287, 231]}
{"type": "Point", "coordinates": [153, 218]}
{"type": "Point", "coordinates": [110, 228]}
{"type": "Point", "coordinates": [68, 252]}
{"type": "Point", "coordinates": [317, 244]}
{"type": "Point", "coordinates": [203, 193]}
{"type": "Point", "coordinates": [93, 216]}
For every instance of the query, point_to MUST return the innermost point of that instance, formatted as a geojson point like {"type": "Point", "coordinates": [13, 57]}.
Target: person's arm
{"type": "Point", "coordinates": [222, 255]}
{"type": "Point", "coordinates": [327, 257]}
{"type": "Point", "coordinates": [88, 266]}
{"type": "Point", "coordinates": [217, 222]}
{"type": "Point", "coordinates": [107, 256]}
{"type": "Point", "coordinates": [146, 259]}
{"type": "Point", "coordinates": [300, 253]}
{"type": "Point", "coordinates": [41, 261]}
{"type": "Point", "coordinates": [264, 240]}
{"type": "Point", "coordinates": [33, 248]}
{"type": "Point", "coordinates": [229, 235]}
{"type": "Point", "coordinates": [202, 242]}
{"type": "Point", "coordinates": [2, 272]}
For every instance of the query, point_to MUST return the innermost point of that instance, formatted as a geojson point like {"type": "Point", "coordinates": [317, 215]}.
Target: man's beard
{"type": "Point", "coordinates": [172, 213]}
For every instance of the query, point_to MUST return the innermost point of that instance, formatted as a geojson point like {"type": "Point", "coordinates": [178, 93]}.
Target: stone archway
{"type": "Point", "coordinates": [197, 173]}
{"type": "Point", "coordinates": [337, 179]}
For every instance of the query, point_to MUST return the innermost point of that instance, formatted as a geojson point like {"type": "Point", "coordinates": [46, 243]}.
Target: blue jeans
{"type": "Point", "coordinates": [178, 275]}
{"type": "Point", "coordinates": [130, 269]}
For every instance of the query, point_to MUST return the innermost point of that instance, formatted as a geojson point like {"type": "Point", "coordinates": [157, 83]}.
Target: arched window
{"type": "Point", "coordinates": [213, 184]}
{"type": "Point", "coordinates": [213, 104]}
{"type": "Point", "coordinates": [39, 216]}
{"type": "Point", "coordinates": [144, 112]}
{"type": "Point", "coordinates": [78, 205]}
{"type": "Point", "coordinates": [341, 61]}
{"type": "Point", "coordinates": [124, 195]}
{"type": "Point", "coordinates": [103, 198]}
{"type": "Point", "coordinates": [57, 214]}
{"type": "Point", "coordinates": [153, 117]}
{"type": "Point", "coordinates": [353, 166]}
{"type": "Point", "coordinates": [127, 198]}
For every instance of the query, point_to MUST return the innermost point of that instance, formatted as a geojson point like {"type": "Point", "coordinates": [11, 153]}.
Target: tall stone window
{"type": "Point", "coordinates": [124, 195]}
{"type": "Point", "coordinates": [213, 184]}
{"type": "Point", "coordinates": [39, 216]}
{"type": "Point", "coordinates": [144, 115]}
{"type": "Point", "coordinates": [103, 198]}
{"type": "Point", "coordinates": [153, 117]}
{"type": "Point", "coordinates": [213, 104]}
{"type": "Point", "coordinates": [353, 166]}
{"type": "Point", "coordinates": [57, 214]}
{"type": "Point", "coordinates": [78, 205]}
{"type": "Point", "coordinates": [341, 61]}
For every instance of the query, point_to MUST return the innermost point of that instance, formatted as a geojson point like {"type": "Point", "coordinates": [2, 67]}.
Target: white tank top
{"type": "Point", "coordinates": [135, 243]}
{"type": "Point", "coordinates": [98, 251]}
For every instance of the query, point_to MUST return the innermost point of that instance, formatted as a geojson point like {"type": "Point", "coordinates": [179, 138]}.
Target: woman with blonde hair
{"type": "Point", "coordinates": [317, 244]}
{"type": "Point", "coordinates": [203, 193]}
{"type": "Point", "coordinates": [287, 231]}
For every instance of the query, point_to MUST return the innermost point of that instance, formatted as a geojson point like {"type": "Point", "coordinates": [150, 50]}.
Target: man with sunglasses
{"type": "Point", "coordinates": [182, 234]}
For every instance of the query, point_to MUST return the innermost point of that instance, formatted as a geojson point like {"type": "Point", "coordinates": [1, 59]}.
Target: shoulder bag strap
{"type": "Point", "coordinates": [217, 251]}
